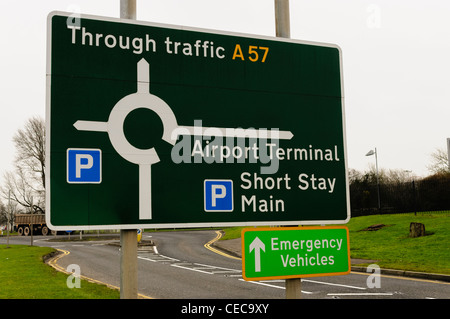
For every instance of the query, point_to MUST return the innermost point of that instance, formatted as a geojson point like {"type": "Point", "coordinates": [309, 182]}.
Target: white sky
{"type": "Point", "coordinates": [396, 57]}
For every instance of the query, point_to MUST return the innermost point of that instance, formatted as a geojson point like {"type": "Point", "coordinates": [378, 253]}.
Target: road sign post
{"type": "Point", "coordinates": [283, 29]}
{"type": "Point", "coordinates": [128, 237]}
{"type": "Point", "coordinates": [293, 288]}
{"type": "Point", "coordinates": [128, 264]}
{"type": "Point", "coordinates": [300, 252]}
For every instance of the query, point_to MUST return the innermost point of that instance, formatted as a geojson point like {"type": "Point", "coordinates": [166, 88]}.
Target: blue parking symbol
{"type": "Point", "coordinates": [218, 195]}
{"type": "Point", "coordinates": [84, 165]}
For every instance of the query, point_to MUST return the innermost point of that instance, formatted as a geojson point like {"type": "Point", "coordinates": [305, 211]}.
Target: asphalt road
{"type": "Point", "coordinates": [182, 267]}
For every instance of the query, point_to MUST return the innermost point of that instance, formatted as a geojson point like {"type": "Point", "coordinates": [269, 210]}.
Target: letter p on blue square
{"type": "Point", "coordinates": [84, 166]}
{"type": "Point", "coordinates": [218, 195]}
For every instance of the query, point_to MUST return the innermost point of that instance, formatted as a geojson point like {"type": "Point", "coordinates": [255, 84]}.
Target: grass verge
{"type": "Point", "coordinates": [391, 245]}
{"type": "Point", "coordinates": [24, 275]}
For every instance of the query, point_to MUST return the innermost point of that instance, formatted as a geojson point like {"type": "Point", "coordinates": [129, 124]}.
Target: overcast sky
{"type": "Point", "coordinates": [396, 63]}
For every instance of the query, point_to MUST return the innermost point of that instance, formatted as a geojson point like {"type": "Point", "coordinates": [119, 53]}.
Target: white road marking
{"type": "Point", "coordinates": [331, 284]}
{"type": "Point", "coordinates": [193, 269]}
{"type": "Point", "coordinates": [272, 286]}
{"type": "Point", "coordinates": [361, 294]}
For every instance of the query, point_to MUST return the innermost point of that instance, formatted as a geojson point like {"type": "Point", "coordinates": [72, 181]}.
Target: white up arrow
{"type": "Point", "coordinates": [257, 244]}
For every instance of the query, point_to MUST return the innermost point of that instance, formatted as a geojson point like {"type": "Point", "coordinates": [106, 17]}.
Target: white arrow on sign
{"type": "Point", "coordinates": [256, 245]}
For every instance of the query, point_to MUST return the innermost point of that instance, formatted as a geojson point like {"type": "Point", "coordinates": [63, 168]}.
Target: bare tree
{"type": "Point", "coordinates": [7, 212]}
{"type": "Point", "coordinates": [3, 213]}
{"type": "Point", "coordinates": [26, 185]}
{"type": "Point", "coordinates": [21, 190]}
{"type": "Point", "coordinates": [439, 162]}
{"type": "Point", "coordinates": [30, 147]}
{"type": "Point", "coordinates": [399, 176]}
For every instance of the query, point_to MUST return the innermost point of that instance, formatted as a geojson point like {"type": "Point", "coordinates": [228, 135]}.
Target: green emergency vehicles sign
{"type": "Point", "coordinates": [283, 253]}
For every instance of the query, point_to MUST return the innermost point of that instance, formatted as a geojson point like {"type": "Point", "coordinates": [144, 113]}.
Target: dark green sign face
{"type": "Point", "coordinates": [160, 126]}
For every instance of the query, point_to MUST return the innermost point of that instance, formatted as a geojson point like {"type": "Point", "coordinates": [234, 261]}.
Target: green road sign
{"type": "Point", "coordinates": [283, 253]}
{"type": "Point", "coordinates": [152, 126]}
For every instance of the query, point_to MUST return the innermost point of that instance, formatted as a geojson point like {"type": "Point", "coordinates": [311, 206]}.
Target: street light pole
{"type": "Point", "coordinates": [448, 152]}
{"type": "Point", "coordinates": [372, 152]}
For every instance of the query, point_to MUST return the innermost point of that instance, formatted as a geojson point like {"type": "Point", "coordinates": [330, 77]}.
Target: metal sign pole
{"type": "Point", "coordinates": [283, 30]}
{"type": "Point", "coordinates": [282, 20]}
{"type": "Point", "coordinates": [31, 222]}
{"type": "Point", "coordinates": [128, 237]}
{"type": "Point", "coordinates": [128, 264]}
{"type": "Point", "coordinates": [128, 9]}
{"type": "Point", "coordinates": [8, 225]}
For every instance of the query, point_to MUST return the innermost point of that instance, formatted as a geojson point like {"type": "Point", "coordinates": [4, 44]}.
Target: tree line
{"type": "Point", "coordinates": [398, 191]}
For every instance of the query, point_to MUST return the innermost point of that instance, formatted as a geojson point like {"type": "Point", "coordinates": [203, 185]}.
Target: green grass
{"type": "Point", "coordinates": [391, 246]}
{"type": "Point", "coordinates": [24, 275]}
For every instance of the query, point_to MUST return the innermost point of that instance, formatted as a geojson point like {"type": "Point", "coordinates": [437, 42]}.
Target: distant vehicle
{"type": "Point", "coordinates": [24, 222]}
